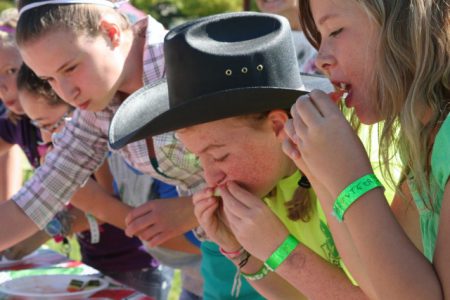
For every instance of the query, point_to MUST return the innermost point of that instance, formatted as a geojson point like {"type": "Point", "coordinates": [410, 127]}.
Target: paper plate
{"type": "Point", "coordinates": [4, 262]}
{"type": "Point", "coordinates": [49, 287]}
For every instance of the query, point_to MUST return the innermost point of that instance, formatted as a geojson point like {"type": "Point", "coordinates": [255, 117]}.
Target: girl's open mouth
{"type": "Point", "coordinates": [341, 92]}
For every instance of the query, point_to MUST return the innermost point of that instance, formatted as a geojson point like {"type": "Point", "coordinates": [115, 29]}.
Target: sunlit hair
{"type": "Point", "coordinates": [78, 18]}
{"type": "Point", "coordinates": [300, 207]}
{"type": "Point", "coordinates": [28, 81]}
{"type": "Point", "coordinates": [412, 74]}
{"type": "Point", "coordinates": [8, 23]}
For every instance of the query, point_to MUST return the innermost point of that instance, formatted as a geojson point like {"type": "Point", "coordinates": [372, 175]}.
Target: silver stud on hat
{"type": "Point", "coordinates": [228, 72]}
{"type": "Point", "coordinates": [244, 70]}
{"type": "Point", "coordinates": [259, 67]}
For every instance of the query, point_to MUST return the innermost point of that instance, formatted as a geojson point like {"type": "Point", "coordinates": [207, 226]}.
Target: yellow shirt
{"type": "Point", "coordinates": [313, 234]}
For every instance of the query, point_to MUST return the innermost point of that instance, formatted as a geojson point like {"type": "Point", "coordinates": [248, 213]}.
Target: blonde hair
{"type": "Point", "coordinates": [79, 18]}
{"type": "Point", "coordinates": [8, 21]}
{"type": "Point", "coordinates": [412, 76]}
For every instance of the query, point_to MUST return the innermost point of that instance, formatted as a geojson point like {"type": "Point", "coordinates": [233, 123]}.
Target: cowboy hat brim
{"type": "Point", "coordinates": [147, 112]}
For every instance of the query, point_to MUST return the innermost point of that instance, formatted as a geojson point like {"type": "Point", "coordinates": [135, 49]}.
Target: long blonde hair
{"type": "Point", "coordinates": [8, 23]}
{"type": "Point", "coordinates": [412, 76]}
{"type": "Point", "coordinates": [78, 18]}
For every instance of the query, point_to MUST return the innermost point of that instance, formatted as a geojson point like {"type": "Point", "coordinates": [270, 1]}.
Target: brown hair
{"type": "Point", "coordinates": [28, 81]}
{"type": "Point", "coordinates": [79, 18]}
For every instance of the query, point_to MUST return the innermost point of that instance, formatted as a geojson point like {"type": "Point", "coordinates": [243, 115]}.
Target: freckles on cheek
{"type": "Point", "coordinates": [248, 173]}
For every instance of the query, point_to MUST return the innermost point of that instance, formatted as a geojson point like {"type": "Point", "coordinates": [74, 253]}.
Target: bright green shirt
{"type": "Point", "coordinates": [440, 174]}
{"type": "Point", "coordinates": [314, 234]}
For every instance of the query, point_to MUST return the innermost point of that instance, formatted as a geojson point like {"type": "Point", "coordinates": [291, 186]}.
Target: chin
{"type": "Point", "coordinates": [367, 118]}
{"type": "Point", "coordinates": [16, 111]}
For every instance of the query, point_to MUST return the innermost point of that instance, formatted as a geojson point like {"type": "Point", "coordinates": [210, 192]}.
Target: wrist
{"type": "Point", "coordinates": [353, 192]}
{"type": "Point", "coordinates": [280, 255]}
{"type": "Point", "coordinates": [230, 247]}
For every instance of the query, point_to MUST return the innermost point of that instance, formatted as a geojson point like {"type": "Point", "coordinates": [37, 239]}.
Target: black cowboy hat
{"type": "Point", "coordinates": [217, 67]}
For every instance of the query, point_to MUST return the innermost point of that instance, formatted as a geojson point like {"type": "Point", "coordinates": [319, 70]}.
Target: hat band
{"type": "Point", "coordinates": [57, 2]}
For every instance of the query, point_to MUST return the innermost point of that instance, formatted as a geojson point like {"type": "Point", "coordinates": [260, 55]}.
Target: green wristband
{"type": "Point", "coordinates": [352, 193]}
{"type": "Point", "coordinates": [282, 252]}
{"type": "Point", "coordinates": [258, 275]}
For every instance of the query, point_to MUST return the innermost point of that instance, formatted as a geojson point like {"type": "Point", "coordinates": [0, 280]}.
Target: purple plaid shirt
{"type": "Point", "coordinates": [83, 144]}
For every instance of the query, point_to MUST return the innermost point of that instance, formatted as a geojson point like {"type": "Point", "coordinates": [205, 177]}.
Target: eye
{"type": "Point", "coordinates": [221, 159]}
{"type": "Point", "coordinates": [11, 71]}
{"type": "Point", "coordinates": [335, 33]}
{"type": "Point", "coordinates": [70, 69]}
{"type": "Point", "coordinates": [46, 79]}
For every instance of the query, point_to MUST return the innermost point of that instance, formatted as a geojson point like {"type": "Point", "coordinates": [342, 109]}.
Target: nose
{"type": "Point", "coordinates": [67, 91]}
{"type": "Point", "coordinates": [213, 175]}
{"type": "Point", "coordinates": [325, 61]}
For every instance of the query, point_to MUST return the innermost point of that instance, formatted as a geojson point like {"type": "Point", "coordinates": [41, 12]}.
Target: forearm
{"type": "Point", "coordinates": [186, 212]}
{"type": "Point", "coordinates": [317, 278]}
{"type": "Point", "coordinates": [10, 173]}
{"type": "Point", "coordinates": [79, 222]}
{"type": "Point", "coordinates": [16, 227]}
{"type": "Point", "coordinates": [343, 241]}
{"type": "Point", "coordinates": [387, 253]}
{"type": "Point", "coordinates": [94, 200]}
{"type": "Point", "coordinates": [272, 286]}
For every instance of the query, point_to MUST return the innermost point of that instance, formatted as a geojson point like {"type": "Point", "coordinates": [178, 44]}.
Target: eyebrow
{"type": "Point", "coordinates": [64, 65]}
{"type": "Point", "coordinates": [209, 147]}
{"type": "Point", "coordinates": [325, 18]}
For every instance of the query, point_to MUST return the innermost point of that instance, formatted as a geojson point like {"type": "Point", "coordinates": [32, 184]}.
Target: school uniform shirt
{"type": "Point", "coordinates": [83, 145]}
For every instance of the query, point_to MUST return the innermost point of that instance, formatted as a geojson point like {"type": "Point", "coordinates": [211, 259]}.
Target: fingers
{"type": "Point", "coordinates": [138, 224]}
{"type": "Point", "coordinates": [203, 194]}
{"type": "Point", "coordinates": [205, 209]}
{"type": "Point", "coordinates": [324, 103]}
{"type": "Point", "coordinates": [138, 212]}
{"type": "Point", "coordinates": [304, 113]}
{"type": "Point", "coordinates": [290, 148]}
{"type": "Point", "coordinates": [237, 199]}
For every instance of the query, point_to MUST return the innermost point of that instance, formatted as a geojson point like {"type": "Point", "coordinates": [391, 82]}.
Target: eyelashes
{"type": "Point", "coordinates": [220, 159]}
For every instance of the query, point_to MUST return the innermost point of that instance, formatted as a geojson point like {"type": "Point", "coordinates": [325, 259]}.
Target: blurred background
{"type": "Point", "coordinates": [173, 12]}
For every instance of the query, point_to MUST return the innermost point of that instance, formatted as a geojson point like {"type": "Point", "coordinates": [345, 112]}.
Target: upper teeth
{"type": "Point", "coordinates": [343, 88]}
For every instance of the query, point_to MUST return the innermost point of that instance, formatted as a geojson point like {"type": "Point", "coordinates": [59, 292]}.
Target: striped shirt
{"type": "Point", "coordinates": [83, 145]}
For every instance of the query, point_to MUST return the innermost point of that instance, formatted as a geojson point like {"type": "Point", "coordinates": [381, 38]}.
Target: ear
{"type": "Point", "coordinates": [277, 119]}
{"type": "Point", "coordinates": [110, 29]}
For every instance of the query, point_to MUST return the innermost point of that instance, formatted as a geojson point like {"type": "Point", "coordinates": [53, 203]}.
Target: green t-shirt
{"type": "Point", "coordinates": [314, 234]}
{"type": "Point", "coordinates": [440, 174]}
{"type": "Point", "coordinates": [219, 272]}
